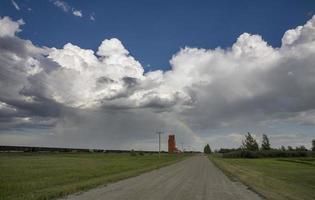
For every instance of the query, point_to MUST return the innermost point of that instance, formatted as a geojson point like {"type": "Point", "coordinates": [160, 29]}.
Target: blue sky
{"type": "Point", "coordinates": [153, 30]}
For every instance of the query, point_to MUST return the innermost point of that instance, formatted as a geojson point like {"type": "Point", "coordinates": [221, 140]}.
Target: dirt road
{"type": "Point", "coordinates": [192, 179]}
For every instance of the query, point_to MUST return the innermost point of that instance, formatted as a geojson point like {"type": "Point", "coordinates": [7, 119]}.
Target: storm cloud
{"type": "Point", "coordinates": [78, 97]}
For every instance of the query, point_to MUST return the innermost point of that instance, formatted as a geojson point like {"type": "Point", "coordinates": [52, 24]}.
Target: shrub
{"type": "Point", "coordinates": [222, 150]}
{"type": "Point", "coordinates": [133, 153]}
{"type": "Point", "coordinates": [265, 154]}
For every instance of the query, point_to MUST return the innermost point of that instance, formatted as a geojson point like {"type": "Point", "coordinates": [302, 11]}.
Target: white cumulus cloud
{"type": "Point", "coordinates": [9, 27]}
{"type": "Point", "coordinates": [247, 85]}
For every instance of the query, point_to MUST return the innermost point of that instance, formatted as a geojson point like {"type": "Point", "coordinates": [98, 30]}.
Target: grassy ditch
{"type": "Point", "coordinates": [51, 175]}
{"type": "Point", "coordinates": [273, 178]}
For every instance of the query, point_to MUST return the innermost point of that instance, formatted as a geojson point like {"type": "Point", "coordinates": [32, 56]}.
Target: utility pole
{"type": "Point", "coordinates": [159, 133]}
{"type": "Point", "coordinates": [182, 146]}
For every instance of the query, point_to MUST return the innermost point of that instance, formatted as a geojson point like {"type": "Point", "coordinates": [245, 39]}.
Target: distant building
{"type": "Point", "coordinates": [172, 144]}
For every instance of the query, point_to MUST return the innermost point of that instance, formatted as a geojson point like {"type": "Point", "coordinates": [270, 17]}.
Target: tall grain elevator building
{"type": "Point", "coordinates": [171, 144]}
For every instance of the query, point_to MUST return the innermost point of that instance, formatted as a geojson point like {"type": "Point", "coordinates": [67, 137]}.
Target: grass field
{"type": "Point", "coordinates": [274, 178]}
{"type": "Point", "coordinates": [51, 175]}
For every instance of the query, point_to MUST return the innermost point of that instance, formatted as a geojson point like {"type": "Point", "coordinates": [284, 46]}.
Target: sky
{"type": "Point", "coordinates": [109, 74]}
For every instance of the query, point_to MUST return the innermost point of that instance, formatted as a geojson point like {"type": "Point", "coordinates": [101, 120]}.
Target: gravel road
{"type": "Point", "coordinates": [193, 178]}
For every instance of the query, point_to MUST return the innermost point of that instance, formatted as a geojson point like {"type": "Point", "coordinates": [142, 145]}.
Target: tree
{"type": "Point", "coordinates": [250, 143]}
{"type": "Point", "coordinates": [283, 148]}
{"type": "Point", "coordinates": [265, 145]}
{"type": "Point", "coordinates": [301, 148]}
{"type": "Point", "coordinates": [207, 149]}
{"type": "Point", "coordinates": [313, 145]}
{"type": "Point", "coordinates": [290, 148]}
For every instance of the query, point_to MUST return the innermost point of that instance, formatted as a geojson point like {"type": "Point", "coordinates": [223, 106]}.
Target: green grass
{"type": "Point", "coordinates": [274, 178]}
{"type": "Point", "coordinates": [52, 175]}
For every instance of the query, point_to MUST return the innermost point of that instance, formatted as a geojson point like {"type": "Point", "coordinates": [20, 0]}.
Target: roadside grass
{"type": "Point", "coordinates": [273, 178]}
{"type": "Point", "coordinates": [26, 176]}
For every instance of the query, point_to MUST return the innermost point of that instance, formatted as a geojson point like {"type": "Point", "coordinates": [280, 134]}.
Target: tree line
{"type": "Point", "coordinates": [251, 149]}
